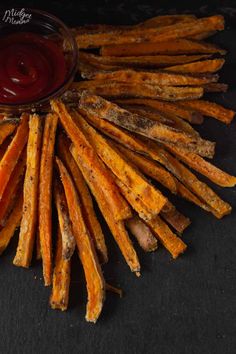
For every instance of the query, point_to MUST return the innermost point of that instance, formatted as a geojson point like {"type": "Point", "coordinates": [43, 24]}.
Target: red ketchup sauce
{"type": "Point", "coordinates": [31, 67]}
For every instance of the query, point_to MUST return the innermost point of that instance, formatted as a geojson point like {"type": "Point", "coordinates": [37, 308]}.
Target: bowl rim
{"type": "Point", "coordinates": [32, 106]}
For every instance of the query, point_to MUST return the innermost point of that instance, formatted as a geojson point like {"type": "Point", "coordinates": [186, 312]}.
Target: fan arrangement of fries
{"type": "Point", "coordinates": [131, 119]}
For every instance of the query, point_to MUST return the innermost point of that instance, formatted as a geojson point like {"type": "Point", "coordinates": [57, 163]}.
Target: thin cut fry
{"type": "Point", "coordinates": [211, 109]}
{"type": "Point", "coordinates": [150, 168]}
{"type": "Point", "coordinates": [169, 240]}
{"type": "Point", "coordinates": [188, 114]}
{"type": "Point", "coordinates": [93, 273]}
{"type": "Point", "coordinates": [215, 87]}
{"type": "Point", "coordinates": [132, 89]}
{"type": "Point", "coordinates": [174, 47]}
{"type": "Point", "coordinates": [117, 227]}
{"type": "Point", "coordinates": [204, 167]}
{"type": "Point", "coordinates": [68, 240]}
{"type": "Point", "coordinates": [142, 233]}
{"type": "Point", "coordinates": [143, 126]}
{"type": "Point", "coordinates": [14, 184]}
{"type": "Point", "coordinates": [124, 170]}
{"type": "Point", "coordinates": [13, 152]}
{"type": "Point", "coordinates": [151, 61]}
{"type": "Point", "coordinates": [12, 223]}
{"type": "Point", "coordinates": [30, 204]}
{"type": "Point", "coordinates": [89, 158]}
{"type": "Point", "coordinates": [7, 127]}
{"type": "Point", "coordinates": [137, 35]}
{"type": "Point", "coordinates": [86, 200]}
{"type": "Point", "coordinates": [61, 279]}
{"type": "Point", "coordinates": [45, 195]}
{"type": "Point", "coordinates": [114, 290]}
{"type": "Point", "coordinates": [203, 35]}
{"type": "Point", "coordinates": [165, 20]}
{"type": "Point", "coordinates": [174, 218]}
{"type": "Point", "coordinates": [205, 194]}
{"type": "Point", "coordinates": [205, 66]}
{"type": "Point", "coordinates": [161, 78]}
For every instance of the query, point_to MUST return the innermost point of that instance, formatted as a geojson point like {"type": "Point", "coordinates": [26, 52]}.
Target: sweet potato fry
{"type": "Point", "coordinates": [13, 152]}
{"type": "Point", "coordinates": [150, 168]}
{"type": "Point", "coordinates": [162, 117]}
{"type": "Point", "coordinates": [61, 279]}
{"type": "Point", "coordinates": [174, 218]}
{"type": "Point", "coordinates": [45, 195]}
{"type": "Point", "coordinates": [30, 200]}
{"type": "Point", "coordinates": [215, 87]}
{"type": "Point", "coordinates": [204, 66]}
{"type": "Point", "coordinates": [7, 127]}
{"type": "Point", "coordinates": [117, 227]}
{"type": "Point", "coordinates": [203, 35]}
{"type": "Point", "coordinates": [89, 158]}
{"type": "Point", "coordinates": [161, 78]}
{"type": "Point", "coordinates": [4, 146]}
{"type": "Point", "coordinates": [152, 61]}
{"type": "Point", "coordinates": [174, 47]}
{"type": "Point", "coordinates": [14, 184]}
{"type": "Point", "coordinates": [169, 240]}
{"type": "Point", "coordinates": [123, 169]}
{"type": "Point", "coordinates": [142, 233]}
{"type": "Point", "coordinates": [12, 223]}
{"type": "Point", "coordinates": [141, 125]}
{"type": "Point", "coordinates": [114, 290]}
{"type": "Point", "coordinates": [120, 89]}
{"type": "Point", "coordinates": [85, 197]}
{"type": "Point", "coordinates": [204, 167]}
{"type": "Point", "coordinates": [211, 109]}
{"type": "Point", "coordinates": [137, 35]}
{"type": "Point", "coordinates": [165, 20]}
{"type": "Point", "coordinates": [68, 240]}
{"type": "Point", "coordinates": [93, 273]}
{"type": "Point", "coordinates": [205, 195]}
{"type": "Point", "coordinates": [188, 114]}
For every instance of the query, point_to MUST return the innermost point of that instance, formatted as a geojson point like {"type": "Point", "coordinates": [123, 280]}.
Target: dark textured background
{"type": "Point", "coordinates": [183, 306]}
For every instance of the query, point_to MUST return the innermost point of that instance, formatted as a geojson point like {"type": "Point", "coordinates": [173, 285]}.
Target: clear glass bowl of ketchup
{"type": "Point", "coordinates": [38, 59]}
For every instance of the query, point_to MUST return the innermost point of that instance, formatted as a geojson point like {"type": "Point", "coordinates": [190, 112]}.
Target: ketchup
{"type": "Point", "coordinates": [31, 67]}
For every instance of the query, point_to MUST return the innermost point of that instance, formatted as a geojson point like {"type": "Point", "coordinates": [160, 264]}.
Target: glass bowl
{"type": "Point", "coordinates": [48, 26]}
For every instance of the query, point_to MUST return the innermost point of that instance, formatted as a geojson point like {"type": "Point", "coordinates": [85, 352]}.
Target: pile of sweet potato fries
{"type": "Point", "coordinates": [131, 119]}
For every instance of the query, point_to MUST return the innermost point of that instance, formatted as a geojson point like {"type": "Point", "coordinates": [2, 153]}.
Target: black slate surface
{"type": "Point", "coordinates": [182, 306]}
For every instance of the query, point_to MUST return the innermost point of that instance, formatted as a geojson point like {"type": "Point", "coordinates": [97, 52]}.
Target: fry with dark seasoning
{"type": "Point", "coordinates": [142, 233]}
{"type": "Point", "coordinates": [30, 195]}
{"type": "Point", "coordinates": [45, 195]}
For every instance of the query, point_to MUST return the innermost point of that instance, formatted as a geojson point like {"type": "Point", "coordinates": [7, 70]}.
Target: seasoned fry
{"type": "Point", "coordinates": [137, 35]}
{"type": "Point", "coordinates": [211, 109]}
{"type": "Point", "coordinates": [89, 158]}
{"type": "Point", "coordinates": [162, 117]}
{"type": "Point", "coordinates": [151, 61]}
{"type": "Point", "coordinates": [174, 47]}
{"type": "Point", "coordinates": [174, 218]}
{"type": "Point", "coordinates": [204, 66]}
{"type": "Point", "coordinates": [30, 199]}
{"type": "Point", "coordinates": [68, 240]}
{"type": "Point", "coordinates": [45, 195]}
{"type": "Point", "coordinates": [7, 127]}
{"type": "Point", "coordinates": [204, 167]}
{"type": "Point", "coordinates": [61, 278]}
{"type": "Point", "coordinates": [13, 152]}
{"type": "Point", "coordinates": [124, 170]}
{"type": "Point", "coordinates": [141, 125]}
{"type": "Point", "coordinates": [188, 114]}
{"type": "Point", "coordinates": [150, 168]}
{"type": "Point", "coordinates": [12, 223]}
{"type": "Point", "coordinates": [142, 233]}
{"type": "Point", "coordinates": [169, 240]}
{"type": "Point", "coordinates": [117, 227]}
{"type": "Point", "coordinates": [215, 87]}
{"type": "Point", "coordinates": [203, 35]}
{"type": "Point", "coordinates": [120, 89]}
{"type": "Point", "coordinates": [206, 199]}
{"type": "Point", "coordinates": [161, 78]}
{"type": "Point", "coordinates": [165, 20]}
{"type": "Point", "coordinates": [86, 200]}
{"type": "Point", "coordinates": [93, 273]}
{"type": "Point", "coordinates": [14, 184]}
